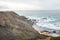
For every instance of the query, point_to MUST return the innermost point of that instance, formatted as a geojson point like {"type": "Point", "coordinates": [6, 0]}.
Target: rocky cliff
{"type": "Point", "coordinates": [15, 27]}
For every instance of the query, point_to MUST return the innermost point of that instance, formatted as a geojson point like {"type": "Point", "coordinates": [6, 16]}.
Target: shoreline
{"type": "Point", "coordinates": [45, 33]}
{"type": "Point", "coordinates": [41, 31]}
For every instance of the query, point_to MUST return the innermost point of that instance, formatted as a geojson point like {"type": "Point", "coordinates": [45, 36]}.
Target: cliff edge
{"type": "Point", "coordinates": [15, 27]}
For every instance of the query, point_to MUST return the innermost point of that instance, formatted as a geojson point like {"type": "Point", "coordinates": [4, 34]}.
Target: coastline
{"type": "Point", "coordinates": [40, 31]}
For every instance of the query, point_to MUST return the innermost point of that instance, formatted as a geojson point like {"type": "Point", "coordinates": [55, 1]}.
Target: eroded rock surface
{"type": "Point", "coordinates": [15, 27]}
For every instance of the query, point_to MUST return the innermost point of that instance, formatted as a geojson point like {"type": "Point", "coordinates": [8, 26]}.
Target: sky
{"type": "Point", "coordinates": [29, 4]}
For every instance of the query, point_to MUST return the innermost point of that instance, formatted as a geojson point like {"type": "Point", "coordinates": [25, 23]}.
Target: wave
{"type": "Point", "coordinates": [32, 17]}
{"type": "Point", "coordinates": [49, 25]}
{"type": "Point", "coordinates": [46, 19]}
{"type": "Point", "coordinates": [45, 22]}
{"type": "Point", "coordinates": [40, 19]}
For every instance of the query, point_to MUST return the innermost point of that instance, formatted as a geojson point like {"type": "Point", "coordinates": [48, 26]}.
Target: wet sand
{"type": "Point", "coordinates": [44, 33]}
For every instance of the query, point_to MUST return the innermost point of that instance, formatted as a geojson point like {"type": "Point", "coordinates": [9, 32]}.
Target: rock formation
{"type": "Point", "coordinates": [15, 27]}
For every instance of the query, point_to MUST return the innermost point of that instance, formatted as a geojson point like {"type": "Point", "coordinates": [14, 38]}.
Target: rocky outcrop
{"type": "Point", "coordinates": [15, 27]}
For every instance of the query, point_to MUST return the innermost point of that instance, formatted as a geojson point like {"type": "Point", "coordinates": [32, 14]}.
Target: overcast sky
{"type": "Point", "coordinates": [30, 4]}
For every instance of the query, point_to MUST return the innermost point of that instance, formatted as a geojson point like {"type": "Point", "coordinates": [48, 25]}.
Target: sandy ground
{"type": "Point", "coordinates": [45, 33]}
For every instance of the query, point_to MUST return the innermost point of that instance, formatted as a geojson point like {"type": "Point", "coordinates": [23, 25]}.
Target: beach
{"type": "Point", "coordinates": [40, 31]}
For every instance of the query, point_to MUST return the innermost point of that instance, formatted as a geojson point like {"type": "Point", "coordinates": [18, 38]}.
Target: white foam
{"type": "Point", "coordinates": [31, 17]}
{"type": "Point", "coordinates": [48, 25]}
{"type": "Point", "coordinates": [48, 20]}
{"type": "Point", "coordinates": [44, 22]}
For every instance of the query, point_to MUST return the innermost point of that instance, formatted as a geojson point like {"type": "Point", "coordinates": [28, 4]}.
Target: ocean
{"type": "Point", "coordinates": [53, 17]}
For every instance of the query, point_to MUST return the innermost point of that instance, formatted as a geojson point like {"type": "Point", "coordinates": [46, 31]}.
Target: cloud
{"type": "Point", "coordinates": [30, 4]}
{"type": "Point", "coordinates": [18, 5]}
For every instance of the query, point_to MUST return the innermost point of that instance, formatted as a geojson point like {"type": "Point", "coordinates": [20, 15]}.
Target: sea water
{"type": "Point", "coordinates": [53, 17]}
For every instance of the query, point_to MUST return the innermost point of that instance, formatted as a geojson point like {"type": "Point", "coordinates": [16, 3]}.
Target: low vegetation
{"type": "Point", "coordinates": [15, 27]}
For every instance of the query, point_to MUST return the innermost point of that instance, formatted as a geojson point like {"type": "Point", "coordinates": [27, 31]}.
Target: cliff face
{"type": "Point", "coordinates": [15, 27]}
